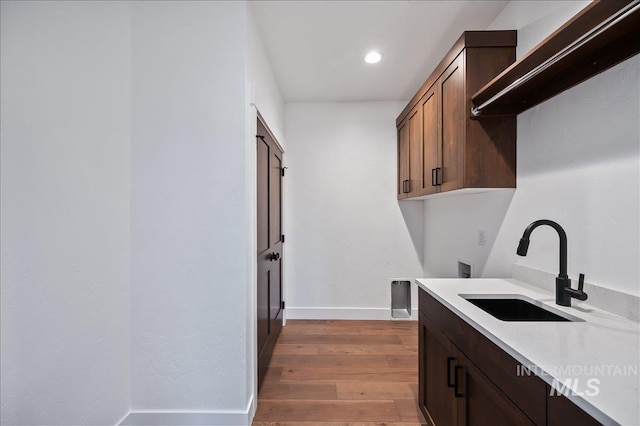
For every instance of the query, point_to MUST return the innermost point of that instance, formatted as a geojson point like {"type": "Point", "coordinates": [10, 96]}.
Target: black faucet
{"type": "Point", "coordinates": [564, 292]}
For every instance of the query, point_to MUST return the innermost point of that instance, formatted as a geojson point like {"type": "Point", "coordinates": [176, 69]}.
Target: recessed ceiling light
{"type": "Point", "coordinates": [373, 57]}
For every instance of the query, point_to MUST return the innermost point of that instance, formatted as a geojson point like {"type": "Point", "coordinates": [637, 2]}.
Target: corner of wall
{"type": "Point", "coordinates": [263, 96]}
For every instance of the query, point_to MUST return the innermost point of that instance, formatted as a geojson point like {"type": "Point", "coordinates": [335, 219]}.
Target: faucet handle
{"type": "Point", "coordinates": [579, 293]}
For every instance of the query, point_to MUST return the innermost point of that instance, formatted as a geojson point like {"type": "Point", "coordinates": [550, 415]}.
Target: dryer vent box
{"type": "Point", "coordinates": [400, 299]}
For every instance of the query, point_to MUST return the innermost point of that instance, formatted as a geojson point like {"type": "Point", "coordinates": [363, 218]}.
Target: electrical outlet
{"type": "Point", "coordinates": [482, 237]}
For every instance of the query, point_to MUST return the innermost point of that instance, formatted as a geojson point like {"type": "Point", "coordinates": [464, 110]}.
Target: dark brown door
{"type": "Point", "coordinates": [453, 125]}
{"type": "Point", "coordinates": [437, 362]}
{"type": "Point", "coordinates": [416, 181]}
{"type": "Point", "coordinates": [480, 402]}
{"type": "Point", "coordinates": [403, 160]}
{"type": "Point", "coordinates": [269, 292]}
{"type": "Point", "coordinates": [431, 140]}
{"type": "Point", "coordinates": [560, 411]}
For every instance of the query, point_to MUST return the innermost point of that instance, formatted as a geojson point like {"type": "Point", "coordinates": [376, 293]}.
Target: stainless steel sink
{"type": "Point", "coordinates": [516, 307]}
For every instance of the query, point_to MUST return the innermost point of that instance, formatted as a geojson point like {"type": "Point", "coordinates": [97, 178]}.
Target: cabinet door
{"type": "Point", "coordinates": [430, 105]}
{"type": "Point", "coordinates": [480, 402]}
{"type": "Point", "coordinates": [416, 179]}
{"type": "Point", "coordinates": [437, 359]}
{"type": "Point", "coordinates": [403, 160]}
{"type": "Point", "coordinates": [561, 411]}
{"type": "Point", "coordinates": [453, 125]}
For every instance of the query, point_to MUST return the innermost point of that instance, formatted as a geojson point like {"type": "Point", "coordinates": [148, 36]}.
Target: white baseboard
{"type": "Point", "coordinates": [191, 418]}
{"type": "Point", "coordinates": [185, 419]}
{"type": "Point", "coordinates": [345, 314]}
{"type": "Point", "coordinates": [253, 407]}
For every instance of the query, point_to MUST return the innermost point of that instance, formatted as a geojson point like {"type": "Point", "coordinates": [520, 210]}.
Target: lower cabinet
{"type": "Point", "coordinates": [466, 380]}
{"type": "Point", "coordinates": [453, 391]}
{"type": "Point", "coordinates": [482, 402]}
{"type": "Point", "coordinates": [437, 355]}
{"type": "Point", "coordinates": [560, 409]}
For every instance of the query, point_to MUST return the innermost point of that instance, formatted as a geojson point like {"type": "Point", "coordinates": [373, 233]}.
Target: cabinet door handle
{"type": "Point", "coordinates": [456, 383]}
{"type": "Point", "coordinates": [405, 186]}
{"type": "Point", "coordinates": [438, 176]}
{"type": "Point", "coordinates": [449, 359]}
{"type": "Point", "coordinates": [434, 177]}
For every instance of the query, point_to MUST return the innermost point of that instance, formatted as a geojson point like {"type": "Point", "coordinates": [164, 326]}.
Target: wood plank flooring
{"type": "Point", "coordinates": [342, 373]}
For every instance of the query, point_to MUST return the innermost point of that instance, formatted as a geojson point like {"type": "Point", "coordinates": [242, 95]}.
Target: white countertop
{"type": "Point", "coordinates": [602, 352]}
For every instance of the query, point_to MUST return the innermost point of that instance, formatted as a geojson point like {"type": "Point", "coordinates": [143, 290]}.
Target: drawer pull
{"type": "Point", "coordinates": [456, 384]}
{"type": "Point", "coordinates": [449, 359]}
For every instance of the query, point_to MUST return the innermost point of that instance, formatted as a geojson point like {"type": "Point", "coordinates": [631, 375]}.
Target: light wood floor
{"type": "Point", "coordinates": [342, 372]}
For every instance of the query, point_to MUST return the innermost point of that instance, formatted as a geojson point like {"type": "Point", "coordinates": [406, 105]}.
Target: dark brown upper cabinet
{"type": "Point", "coordinates": [601, 35]}
{"type": "Point", "coordinates": [440, 147]}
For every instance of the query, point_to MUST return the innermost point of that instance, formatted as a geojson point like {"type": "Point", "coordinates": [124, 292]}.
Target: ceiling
{"type": "Point", "coordinates": [317, 48]}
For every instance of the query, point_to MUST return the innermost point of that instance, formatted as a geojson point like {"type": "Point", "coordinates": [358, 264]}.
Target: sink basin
{"type": "Point", "coordinates": [516, 307]}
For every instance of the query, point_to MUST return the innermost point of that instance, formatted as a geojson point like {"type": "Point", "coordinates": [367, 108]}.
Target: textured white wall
{"type": "Point", "coordinates": [65, 212]}
{"type": "Point", "coordinates": [263, 94]}
{"type": "Point", "coordinates": [262, 85]}
{"type": "Point", "coordinates": [188, 244]}
{"type": "Point", "coordinates": [578, 164]}
{"type": "Point", "coordinates": [346, 234]}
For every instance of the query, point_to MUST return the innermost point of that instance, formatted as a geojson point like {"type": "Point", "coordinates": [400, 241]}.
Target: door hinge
{"type": "Point", "coordinates": [283, 170]}
{"type": "Point", "coordinates": [282, 304]}
{"type": "Point", "coordinates": [282, 238]}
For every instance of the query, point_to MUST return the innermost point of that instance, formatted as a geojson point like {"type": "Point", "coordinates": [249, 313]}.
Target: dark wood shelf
{"type": "Point", "coordinates": [614, 45]}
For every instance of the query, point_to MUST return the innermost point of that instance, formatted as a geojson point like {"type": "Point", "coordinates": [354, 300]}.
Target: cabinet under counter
{"type": "Point", "coordinates": [475, 367]}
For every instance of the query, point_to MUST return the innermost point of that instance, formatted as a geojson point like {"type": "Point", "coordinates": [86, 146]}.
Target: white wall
{"type": "Point", "coordinates": [189, 236]}
{"type": "Point", "coordinates": [578, 164]}
{"type": "Point", "coordinates": [346, 234]}
{"type": "Point", "coordinates": [65, 212]}
{"type": "Point", "coordinates": [262, 85]}
{"type": "Point", "coordinates": [125, 140]}
{"type": "Point", "coordinates": [262, 94]}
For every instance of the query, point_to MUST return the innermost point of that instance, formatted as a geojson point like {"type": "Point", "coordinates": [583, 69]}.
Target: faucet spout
{"type": "Point", "coordinates": [523, 247]}
{"type": "Point", "coordinates": [564, 292]}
